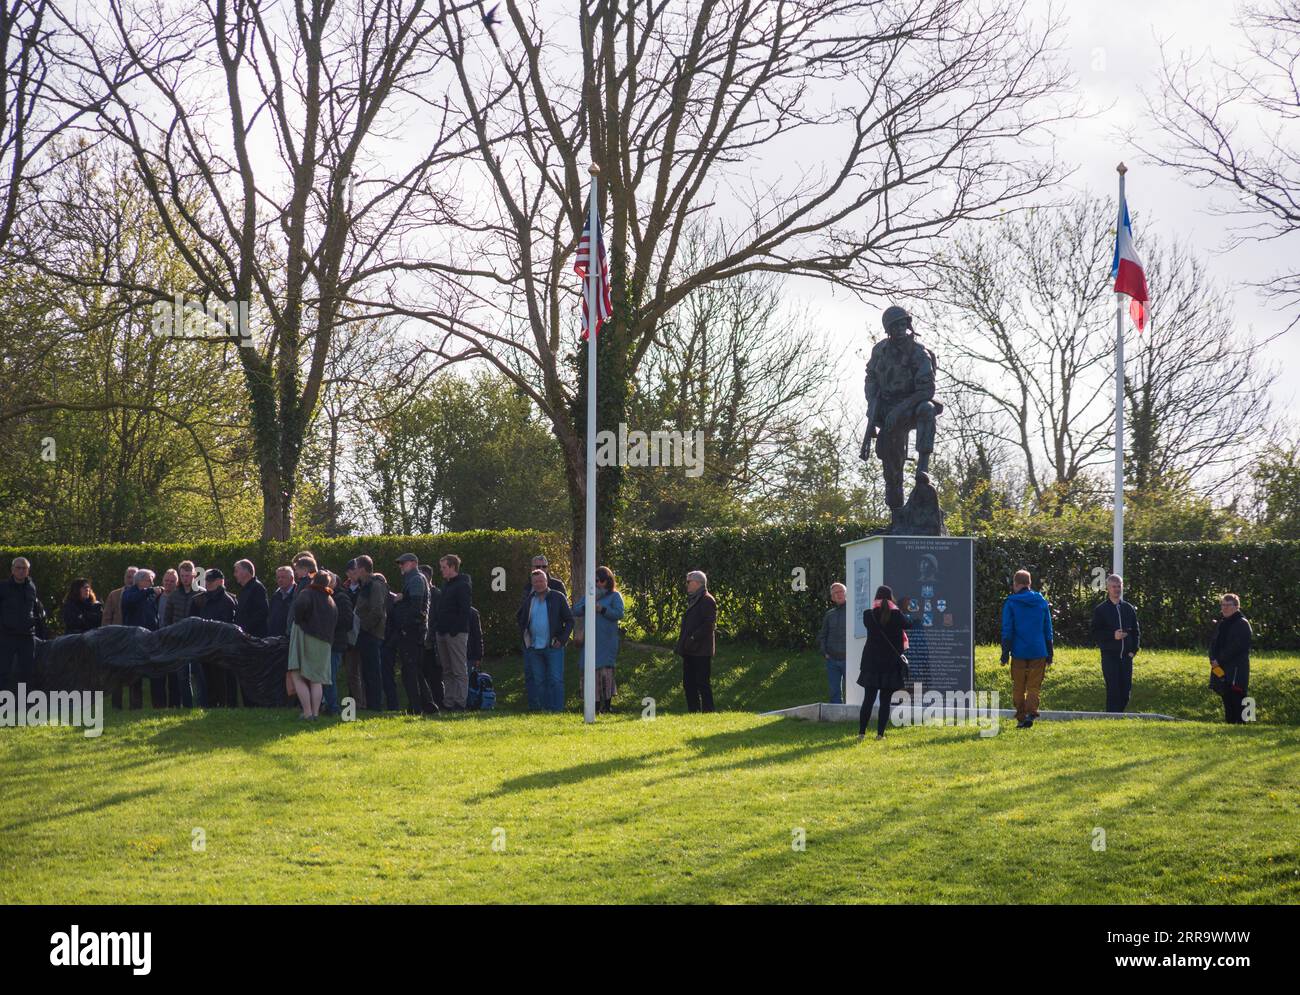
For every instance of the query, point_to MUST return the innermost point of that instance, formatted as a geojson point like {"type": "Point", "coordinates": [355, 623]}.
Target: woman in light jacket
{"type": "Point", "coordinates": [609, 611]}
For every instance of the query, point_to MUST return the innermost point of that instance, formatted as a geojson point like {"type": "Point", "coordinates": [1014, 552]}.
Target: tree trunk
{"type": "Point", "coordinates": [275, 512]}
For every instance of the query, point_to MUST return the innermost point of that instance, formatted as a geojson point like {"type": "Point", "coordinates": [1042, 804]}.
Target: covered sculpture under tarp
{"type": "Point", "coordinates": [115, 655]}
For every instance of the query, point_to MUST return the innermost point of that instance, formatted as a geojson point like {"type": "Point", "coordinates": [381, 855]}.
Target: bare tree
{"type": "Point", "coordinates": [1027, 329]}
{"type": "Point", "coordinates": [1024, 327]}
{"type": "Point", "coordinates": [837, 139]}
{"type": "Point", "coordinates": [1189, 376]}
{"type": "Point", "coordinates": [31, 116]}
{"type": "Point", "coordinates": [271, 140]}
{"type": "Point", "coordinates": [740, 362]}
{"type": "Point", "coordinates": [1204, 114]}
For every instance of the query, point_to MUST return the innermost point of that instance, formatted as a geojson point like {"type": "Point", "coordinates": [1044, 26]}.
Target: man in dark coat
{"type": "Point", "coordinates": [252, 607]}
{"type": "Point", "coordinates": [216, 605]}
{"type": "Point", "coordinates": [281, 602]}
{"type": "Point", "coordinates": [1115, 629]}
{"type": "Point", "coordinates": [1230, 658]}
{"type": "Point", "coordinates": [696, 644]}
{"type": "Point", "coordinates": [545, 624]}
{"type": "Point", "coordinates": [451, 630]}
{"type": "Point", "coordinates": [21, 616]}
{"type": "Point", "coordinates": [411, 615]}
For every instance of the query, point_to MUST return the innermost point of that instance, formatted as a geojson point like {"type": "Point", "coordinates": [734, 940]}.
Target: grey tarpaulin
{"type": "Point", "coordinates": [115, 655]}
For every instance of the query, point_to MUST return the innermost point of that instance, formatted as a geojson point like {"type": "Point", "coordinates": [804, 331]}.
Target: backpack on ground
{"type": "Point", "coordinates": [482, 694]}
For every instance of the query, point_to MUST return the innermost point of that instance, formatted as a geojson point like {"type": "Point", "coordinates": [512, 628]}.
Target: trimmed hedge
{"type": "Point", "coordinates": [1174, 585]}
{"type": "Point", "coordinates": [55, 567]}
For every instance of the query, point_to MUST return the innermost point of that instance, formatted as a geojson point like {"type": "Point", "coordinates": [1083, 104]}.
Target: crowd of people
{"type": "Point", "coordinates": [351, 623]}
{"type": "Point", "coordinates": [357, 625]}
{"type": "Point", "coordinates": [1027, 646]}
{"type": "Point", "coordinates": [354, 628]}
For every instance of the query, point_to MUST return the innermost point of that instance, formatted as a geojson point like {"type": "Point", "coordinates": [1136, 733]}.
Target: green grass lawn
{"type": "Point", "coordinates": [682, 808]}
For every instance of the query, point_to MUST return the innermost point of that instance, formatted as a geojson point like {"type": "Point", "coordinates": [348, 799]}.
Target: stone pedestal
{"type": "Point", "coordinates": [933, 579]}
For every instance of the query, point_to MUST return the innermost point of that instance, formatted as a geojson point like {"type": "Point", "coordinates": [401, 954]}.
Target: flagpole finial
{"type": "Point", "coordinates": [1121, 169]}
{"type": "Point", "coordinates": [593, 169]}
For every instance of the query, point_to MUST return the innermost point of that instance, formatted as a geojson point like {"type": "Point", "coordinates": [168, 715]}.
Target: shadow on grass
{"type": "Point", "coordinates": [85, 808]}
{"type": "Point", "coordinates": [806, 740]}
{"type": "Point", "coordinates": [572, 775]}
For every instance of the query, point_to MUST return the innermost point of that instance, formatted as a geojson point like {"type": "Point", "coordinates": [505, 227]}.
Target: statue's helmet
{"type": "Point", "coordinates": [894, 314]}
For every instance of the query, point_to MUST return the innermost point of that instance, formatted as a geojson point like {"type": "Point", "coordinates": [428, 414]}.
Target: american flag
{"type": "Point", "coordinates": [604, 303]}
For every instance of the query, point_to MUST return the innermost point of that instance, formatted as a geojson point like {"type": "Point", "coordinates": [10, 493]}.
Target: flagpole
{"type": "Point", "coordinates": [1117, 553]}
{"type": "Point", "coordinates": [589, 616]}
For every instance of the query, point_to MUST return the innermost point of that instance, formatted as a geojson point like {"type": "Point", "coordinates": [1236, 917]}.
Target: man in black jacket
{"type": "Point", "coordinates": [281, 602]}
{"type": "Point", "coordinates": [252, 607]}
{"type": "Point", "coordinates": [545, 624]}
{"type": "Point", "coordinates": [452, 630]}
{"type": "Point", "coordinates": [411, 614]}
{"type": "Point", "coordinates": [697, 642]}
{"type": "Point", "coordinates": [216, 605]}
{"type": "Point", "coordinates": [1230, 658]}
{"type": "Point", "coordinates": [21, 615]}
{"type": "Point", "coordinates": [1115, 629]}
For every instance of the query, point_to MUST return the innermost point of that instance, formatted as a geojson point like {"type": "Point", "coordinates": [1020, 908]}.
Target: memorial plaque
{"type": "Point", "coordinates": [933, 584]}
{"type": "Point", "coordinates": [933, 581]}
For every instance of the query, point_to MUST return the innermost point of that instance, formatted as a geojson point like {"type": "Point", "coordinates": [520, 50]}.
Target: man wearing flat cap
{"type": "Point", "coordinates": [411, 614]}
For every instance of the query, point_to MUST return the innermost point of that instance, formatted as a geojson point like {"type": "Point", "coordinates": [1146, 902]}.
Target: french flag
{"type": "Point", "coordinates": [1127, 270]}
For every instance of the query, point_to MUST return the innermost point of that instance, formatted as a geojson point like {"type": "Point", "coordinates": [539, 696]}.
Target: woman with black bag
{"type": "Point", "coordinates": [884, 662]}
{"type": "Point", "coordinates": [1230, 658]}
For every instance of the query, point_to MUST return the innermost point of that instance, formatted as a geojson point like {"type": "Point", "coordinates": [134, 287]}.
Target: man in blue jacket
{"type": "Point", "coordinates": [545, 624]}
{"type": "Point", "coordinates": [1027, 642]}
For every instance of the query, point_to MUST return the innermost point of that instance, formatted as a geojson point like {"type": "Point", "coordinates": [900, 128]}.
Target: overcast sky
{"type": "Point", "coordinates": [1114, 52]}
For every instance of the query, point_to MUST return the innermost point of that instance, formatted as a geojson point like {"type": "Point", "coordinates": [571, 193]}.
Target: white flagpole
{"type": "Point", "coordinates": [1117, 553]}
{"type": "Point", "coordinates": [589, 616]}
